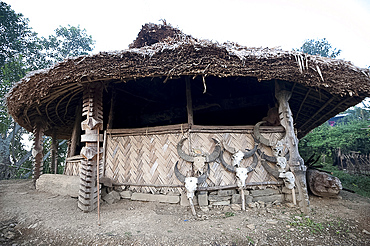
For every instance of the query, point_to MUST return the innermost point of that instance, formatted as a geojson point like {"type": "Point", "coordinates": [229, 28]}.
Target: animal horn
{"type": "Point", "coordinates": [251, 152]}
{"type": "Point", "coordinates": [259, 137]}
{"type": "Point", "coordinates": [227, 166]}
{"type": "Point", "coordinates": [204, 176]}
{"type": "Point", "coordinates": [182, 154]}
{"type": "Point", "coordinates": [254, 163]}
{"type": "Point", "coordinates": [267, 157]}
{"type": "Point", "coordinates": [228, 148]}
{"type": "Point", "coordinates": [269, 169]}
{"type": "Point", "coordinates": [178, 174]}
{"type": "Point", "coordinates": [271, 158]}
{"type": "Point", "coordinates": [216, 152]}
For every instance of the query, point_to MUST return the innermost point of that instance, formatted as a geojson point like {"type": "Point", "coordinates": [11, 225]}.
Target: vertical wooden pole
{"type": "Point", "coordinates": [295, 162]}
{"type": "Point", "coordinates": [76, 133]}
{"type": "Point", "coordinates": [37, 151]}
{"type": "Point", "coordinates": [189, 102]}
{"type": "Point", "coordinates": [93, 110]}
{"type": "Point", "coordinates": [54, 153]}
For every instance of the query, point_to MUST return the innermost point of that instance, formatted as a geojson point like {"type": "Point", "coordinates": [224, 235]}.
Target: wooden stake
{"type": "Point", "coordinates": [97, 177]}
{"type": "Point", "coordinates": [243, 198]}
{"type": "Point", "coordinates": [293, 195]}
{"type": "Point", "coordinates": [192, 206]}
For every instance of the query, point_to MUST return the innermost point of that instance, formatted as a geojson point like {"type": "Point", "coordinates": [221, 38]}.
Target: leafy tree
{"type": "Point", "coordinates": [71, 41]}
{"type": "Point", "coordinates": [319, 47]}
{"type": "Point", "coordinates": [22, 51]}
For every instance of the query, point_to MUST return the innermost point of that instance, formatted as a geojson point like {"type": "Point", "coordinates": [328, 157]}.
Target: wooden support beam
{"type": "Point", "coordinates": [37, 151]}
{"type": "Point", "coordinates": [302, 103]}
{"type": "Point", "coordinates": [93, 110]}
{"type": "Point", "coordinates": [290, 140]}
{"type": "Point", "coordinates": [76, 133]}
{"type": "Point", "coordinates": [54, 153]}
{"type": "Point", "coordinates": [189, 102]}
{"type": "Point", "coordinates": [318, 111]}
{"type": "Point", "coordinates": [111, 110]}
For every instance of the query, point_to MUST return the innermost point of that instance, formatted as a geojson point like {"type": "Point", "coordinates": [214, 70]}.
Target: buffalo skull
{"type": "Point", "coordinates": [241, 172]}
{"type": "Point", "coordinates": [199, 160]}
{"type": "Point", "coordinates": [238, 155]}
{"type": "Point", "coordinates": [191, 183]}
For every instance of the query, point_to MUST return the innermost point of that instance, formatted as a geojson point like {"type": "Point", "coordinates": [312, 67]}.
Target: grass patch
{"type": "Point", "coordinates": [229, 214]}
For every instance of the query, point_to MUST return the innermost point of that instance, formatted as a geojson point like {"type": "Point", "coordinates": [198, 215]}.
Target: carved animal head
{"type": "Point", "coordinates": [191, 183]}
{"type": "Point", "coordinates": [281, 163]}
{"type": "Point", "coordinates": [289, 179]}
{"type": "Point", "coordinates": [278, 149]}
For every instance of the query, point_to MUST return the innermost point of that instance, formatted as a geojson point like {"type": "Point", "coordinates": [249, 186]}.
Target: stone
{"type": "Point", "coordinates": [227, 208]}
{"type": "Point", "coordinates": [252, 204]}
{"type": "Point", "coordinates": [184, 201]}
{"type": "Point", "coordinates": [203, 199]}
{"type": "Point", "coordinates": [272, 198]}
{"type": "Point", "coordinates": [366, 232]}
{"type": "Point", "coordinates": [126, 194]}
{"type": "Point", "coordinates": [236, 207]}
{"type": "Point", "coordinates": [251, 226]}
{"type": "Point", "coordinates": [214, 198]}
{"type": "Point", "coordinates": [226, 192]}
{"type": "Point", "coordinates": [266, 192]}
{"type": "Point", "coordinates": [59, 184]}
{"type": "Point", "coordinates": [111, 197]}
{"type": "Point", "coordinates": [204, 209]}
{"type": "Point", "coordinates": [262, 204]}
{"type": "Point", "coordinates": [289, 205]}
{"type": "Point", "coordinates": [155, 198]}
{"type": "Point", "coordinates": [272, 221]}
{"type": "Point", "coordinates": [236, 199]}
{"type": "Point", "coordinates": [220, 203]}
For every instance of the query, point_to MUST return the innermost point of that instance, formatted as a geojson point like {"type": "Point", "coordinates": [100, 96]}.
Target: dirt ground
{"type": "Point", "coordinates": [31, 217]}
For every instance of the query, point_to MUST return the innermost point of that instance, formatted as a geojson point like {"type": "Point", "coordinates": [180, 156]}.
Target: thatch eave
{"type": "Point", "coordinates": [188, 57]}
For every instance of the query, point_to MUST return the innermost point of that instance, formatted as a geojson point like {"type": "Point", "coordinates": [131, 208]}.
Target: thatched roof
{"type": "Point", "coordinates": [322, 87]}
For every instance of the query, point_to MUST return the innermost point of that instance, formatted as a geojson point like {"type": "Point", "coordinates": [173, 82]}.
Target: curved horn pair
{"type": "Point", "coordinates": [182, 177]}
{"type": "Point", "coordinates": [271, 158]}
{"type": "Point", "coordinates": [233, 169]}
{"type": "Point", "coordinates": [209, 158]}
{"type": "Point", "coordinates": [247, 153]}
{"type": "Point", "coordinates": [258, 136]}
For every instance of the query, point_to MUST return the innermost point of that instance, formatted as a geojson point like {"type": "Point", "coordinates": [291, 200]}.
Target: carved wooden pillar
{"type": "Point", "coordinates": [296, 163]}
{"type": "Point", "coordinates": [54, 154]}
{"type": "Point", "coordinates": [37, 151]}
{"type": "Point", "coordinates": [93, 110]}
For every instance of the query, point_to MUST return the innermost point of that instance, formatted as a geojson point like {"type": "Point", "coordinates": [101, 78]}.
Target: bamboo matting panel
{"type": "Point", "coordinates": [150, 159]}
{"type": "Point", "coordinates": [72, 168]}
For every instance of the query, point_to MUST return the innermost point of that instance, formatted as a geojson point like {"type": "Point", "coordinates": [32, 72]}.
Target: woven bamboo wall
{"type": "Point", "coordinates": [72, 166]}
{"type": "Point", "coordinates": [150, 157]}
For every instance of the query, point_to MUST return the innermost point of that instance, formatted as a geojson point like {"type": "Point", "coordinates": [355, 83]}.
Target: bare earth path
{"type": "Point", "coordinates": [31, 217]}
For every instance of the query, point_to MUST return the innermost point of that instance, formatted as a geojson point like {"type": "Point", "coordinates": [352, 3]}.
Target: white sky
{"type": "Point", "coordinates": [114, 24]}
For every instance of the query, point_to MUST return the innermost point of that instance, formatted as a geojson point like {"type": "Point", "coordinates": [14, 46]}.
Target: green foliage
{"type": "Point", "coordinates": [22, 51]}
{"type": "Point", "coordinates": [71, 41]}
{"type": "Point", "coordinates": [319, 47]}
{"type": "Point", "coordinates": [349, 135]}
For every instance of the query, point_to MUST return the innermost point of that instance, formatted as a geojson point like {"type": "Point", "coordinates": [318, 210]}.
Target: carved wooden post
{"type": "Point", "coordinates": [93, 110]}
{"type": "Point", "coordinates": [37, 151]}
{"type": "Point", "coordinates": [54, 154]}
{"type": "Point", "coordinates": [76, 133]}
{"type": "Point", "coordinates": [296, 163]}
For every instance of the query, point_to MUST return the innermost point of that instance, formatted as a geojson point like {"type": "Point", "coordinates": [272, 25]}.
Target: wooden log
{"type": "Point", "coordinates": [323, 184]}
{"type": "Point", "coordinates": [76, 133]}
{"type": "Point", "coordinates": [189, 102]}
{"type": "Point", "coordinates": [37, 151]}
{"type": "Point", "coordinates": [54, 153]}
{"type": "Point", "coordinates": [296, 163]}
